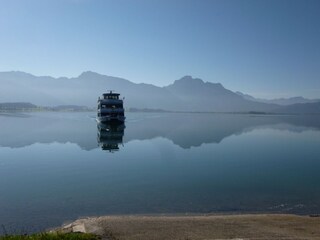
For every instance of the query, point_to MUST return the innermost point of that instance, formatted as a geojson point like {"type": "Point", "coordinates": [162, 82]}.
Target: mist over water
{"type": "Point", "coordinates": [56, 167]}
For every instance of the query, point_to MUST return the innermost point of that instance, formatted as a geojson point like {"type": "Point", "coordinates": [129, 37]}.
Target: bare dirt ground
{"type": "Point", "coordinates": [262, 226]}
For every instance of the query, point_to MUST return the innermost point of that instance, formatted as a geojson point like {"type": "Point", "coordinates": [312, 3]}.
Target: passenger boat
{"type": "Point", "coordinates": [110, 108]}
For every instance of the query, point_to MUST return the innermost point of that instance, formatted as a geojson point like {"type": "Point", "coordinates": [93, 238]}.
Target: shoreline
{"type": "Point", "coordinates": [194, 227]}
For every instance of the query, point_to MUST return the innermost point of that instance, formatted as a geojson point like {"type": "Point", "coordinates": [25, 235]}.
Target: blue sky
{"type": "Point", "coordinates": [264, 48]}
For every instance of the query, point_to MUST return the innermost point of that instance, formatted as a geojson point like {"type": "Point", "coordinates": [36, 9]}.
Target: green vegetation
{"type": "Point", "coordinates": [52, 236]}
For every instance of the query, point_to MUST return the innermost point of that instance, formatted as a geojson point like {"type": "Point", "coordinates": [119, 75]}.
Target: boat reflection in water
{"type": "Point", "coordinates": [110, 135]}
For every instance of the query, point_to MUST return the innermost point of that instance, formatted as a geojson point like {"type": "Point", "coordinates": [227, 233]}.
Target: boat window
{"type": "Point", "coordinates": [113, 106]}
{"type": "Point", "coordinates": [107, 96]}
{"type": "Point", "coordinates": [112, 97]}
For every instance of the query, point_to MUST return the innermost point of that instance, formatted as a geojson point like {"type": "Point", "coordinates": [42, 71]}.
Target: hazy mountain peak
{"type": "Point", "coordinates": [216, 85]}
{"type": "Point", "coordinates": [189, 79]}
{"type": "Point", "coordinates": [17, 73]}
{"type": "Point", "coordinates": [86, 74]}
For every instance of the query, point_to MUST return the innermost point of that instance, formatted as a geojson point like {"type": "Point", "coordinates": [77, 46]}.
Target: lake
{"type": "Point", "coordinates": [56, 167]}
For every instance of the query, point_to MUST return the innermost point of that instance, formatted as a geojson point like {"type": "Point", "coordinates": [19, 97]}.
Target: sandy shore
{"type": "Point", "coordinates": [255, 226]}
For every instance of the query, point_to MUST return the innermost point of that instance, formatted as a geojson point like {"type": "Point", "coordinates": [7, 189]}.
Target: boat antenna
{"type": "Point", "coordinates": [110, 90]}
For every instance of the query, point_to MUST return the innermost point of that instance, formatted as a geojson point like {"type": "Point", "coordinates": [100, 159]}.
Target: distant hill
{"type": "Point", "coordinates": [279, 101]}
{"type": "Point", "coordinates": [24, 106]}
{"type": "Point", "coordinates": [185, 94]}
{"type": "Point", "coordinates": [17, 106]}
{"type": "Point", "coordinates": [198, 95]}
{"type": "Point", "coordinates": [70, 108]}
{"type": "Point", "coordinates": [300, 108]}
{"type": "Point", "coordinates": [290, 101]}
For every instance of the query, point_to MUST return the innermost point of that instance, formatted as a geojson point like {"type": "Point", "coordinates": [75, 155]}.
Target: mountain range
{"type": "Point", "coordinates": [185, 94]}
{"type": "Point", "coordinates": [279, 101]}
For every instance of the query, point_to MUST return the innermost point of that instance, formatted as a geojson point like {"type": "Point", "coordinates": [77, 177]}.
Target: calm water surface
{"type": "Point", "coordinates": [56, 167]}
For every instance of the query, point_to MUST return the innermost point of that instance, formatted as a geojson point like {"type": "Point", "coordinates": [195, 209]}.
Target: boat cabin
{"type": "Point", "coordinates": [111, 95]}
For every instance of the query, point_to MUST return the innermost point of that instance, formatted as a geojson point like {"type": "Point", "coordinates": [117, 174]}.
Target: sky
{"type": "Point", "coordinates": [268, 49]}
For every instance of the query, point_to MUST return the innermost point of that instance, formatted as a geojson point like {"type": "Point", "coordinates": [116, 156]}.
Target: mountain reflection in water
{"type": "Point", "coordinates": [183, 129]}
